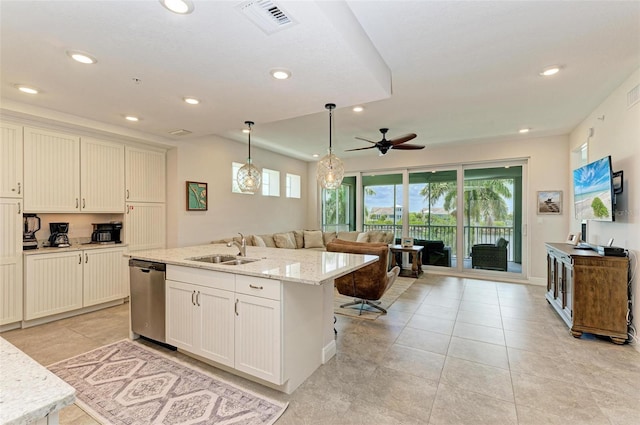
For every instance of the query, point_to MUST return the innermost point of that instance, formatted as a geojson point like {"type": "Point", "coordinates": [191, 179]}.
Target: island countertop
{"type": "Point", "coordinates": [293, 265]}
{"type": "Point", "coordinates": [28, 391]}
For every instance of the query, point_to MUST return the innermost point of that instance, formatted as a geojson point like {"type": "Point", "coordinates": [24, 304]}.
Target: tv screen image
{"type": "Point", "coordinates": [593, 191]}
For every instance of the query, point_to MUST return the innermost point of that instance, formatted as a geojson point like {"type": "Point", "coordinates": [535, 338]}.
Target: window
{"type": "Point", "coordinates": [338, 207]}
{"type": "Point", "coordinates": [270, 182]}
{"type": "Point", "coordinates": [383, 196]}
{"type": "Point", "coordinates": [292, 186]}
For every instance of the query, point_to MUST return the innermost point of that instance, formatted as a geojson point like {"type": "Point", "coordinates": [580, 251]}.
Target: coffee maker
{"type": "Point", "coordinates": [31, 226]}
{"type": "Point", "coordinates": [59, 237]}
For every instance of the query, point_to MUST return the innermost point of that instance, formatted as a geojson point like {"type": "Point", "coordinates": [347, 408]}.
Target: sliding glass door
{"type": "Point", "coordinates": [383, 199]}
{"type": "Point", "coordinates": [338, 207]}
{"type": "Point", "coordinates": [492, 218]}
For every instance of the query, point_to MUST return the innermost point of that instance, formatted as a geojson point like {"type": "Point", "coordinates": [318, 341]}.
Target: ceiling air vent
{"type": "Point", "coordinates": [266, 14]}
{"type": "Point", "coordinates": [179, 132]}
{"type": "Point", "coordinates": [633, 96]}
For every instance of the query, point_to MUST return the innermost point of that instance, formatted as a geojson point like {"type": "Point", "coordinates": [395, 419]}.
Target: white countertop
{"type": "Point", "coordinates": [28, 391]}
{"type": "Point", "coordinates": [73, 247]}
{"type": "Point", "coordinates": [294, 265]}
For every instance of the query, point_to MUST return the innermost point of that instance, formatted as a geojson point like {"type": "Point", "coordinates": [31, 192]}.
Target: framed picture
{"type": "Point", "coordinates": [550, 202]}
{"type": "Point", "coordinates": [407, 242]}
{"type": "Point", "coordinates": [196, 196]}
{"type": "Point", "coordinates": [573, 238]}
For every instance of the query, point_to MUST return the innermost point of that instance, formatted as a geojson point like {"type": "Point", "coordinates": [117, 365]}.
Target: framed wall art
{"type": "Point", "coordinates": [550, 202]}
{"type": "Point", "coordinates": [196, 196]}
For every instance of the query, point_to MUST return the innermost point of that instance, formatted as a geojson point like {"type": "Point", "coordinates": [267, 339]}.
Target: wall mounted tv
{"type": "Point", "coordinates": [593, 191]}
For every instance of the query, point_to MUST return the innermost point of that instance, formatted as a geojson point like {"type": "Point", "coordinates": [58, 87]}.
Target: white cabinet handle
{"type": "Point", "coordinates": [255, 287]}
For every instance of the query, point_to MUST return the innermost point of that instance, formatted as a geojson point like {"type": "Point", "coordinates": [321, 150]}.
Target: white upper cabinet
{"type": "Point", "coordinates": [101, 176]}
{"type": "Point", "coordinates": [51, 171]}
{"type": "Point", "coordinates": [65, 174]}
{"type": "Point", "coordinates": [145, 175]}
{"type": "Point", "coordinates": [10, 161]}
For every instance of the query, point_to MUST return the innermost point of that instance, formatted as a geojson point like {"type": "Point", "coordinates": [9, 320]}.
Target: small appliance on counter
{"type": "Point", "coordinates": [31, 226]}
{"type": "Point", "coordinates": [106, 232]}
{"type": "Point", "coordinates": [59, 237]}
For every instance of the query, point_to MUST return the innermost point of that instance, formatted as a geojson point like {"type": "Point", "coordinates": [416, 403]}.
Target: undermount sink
{"type": "Point", "coordinates": [229, 260]}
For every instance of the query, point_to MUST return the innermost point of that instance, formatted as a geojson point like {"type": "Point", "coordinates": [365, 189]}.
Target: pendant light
{"type": "Point", "coordinates": [249, 176]}
{"type": "Point", "coordinates": [330, 167]}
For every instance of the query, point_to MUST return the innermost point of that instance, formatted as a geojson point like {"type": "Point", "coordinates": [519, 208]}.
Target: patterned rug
{"type": "Point", "coordinates": [128, 383]}
{"type": "Point", "coordinates": [399, 286]}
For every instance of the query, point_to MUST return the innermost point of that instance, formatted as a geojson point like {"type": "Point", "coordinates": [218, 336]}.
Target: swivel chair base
{"type": "Point", "coordinates": [374, 304]}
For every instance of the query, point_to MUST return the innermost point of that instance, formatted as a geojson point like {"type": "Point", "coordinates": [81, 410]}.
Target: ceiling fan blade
{"type": "Point", "coordinates": [407, 147]}
{"type": "Point", "coordinates": [366, 140]}
{"type": "Point", "coordinates": [359, 149]}
{"type": "Point", "coordinates": [402, 139]}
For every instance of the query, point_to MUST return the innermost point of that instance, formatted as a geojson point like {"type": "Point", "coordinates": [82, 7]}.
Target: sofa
{"type": "Point", "coordinates": [434, 253]}
{"type": "Point", "coordinates": [310, 239]}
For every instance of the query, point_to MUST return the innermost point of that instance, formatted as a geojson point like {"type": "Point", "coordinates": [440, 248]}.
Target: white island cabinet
{"type": "Point", "coordinates": [270, 320]}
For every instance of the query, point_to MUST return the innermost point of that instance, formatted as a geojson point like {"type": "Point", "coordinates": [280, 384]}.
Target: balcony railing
{"type": "Point", "coordinates": [472, 235]}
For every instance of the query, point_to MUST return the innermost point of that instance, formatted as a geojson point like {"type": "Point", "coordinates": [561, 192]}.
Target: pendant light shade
{"type": "Point", "coordinates": [249, 177]}
{"type": "Point", "coordinates": [330, 167]}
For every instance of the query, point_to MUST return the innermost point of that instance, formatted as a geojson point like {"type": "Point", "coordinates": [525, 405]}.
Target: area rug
{"type": "Point", "coordinates": [399, 286]}
{"type": "Point", "coordinates": [128, 383]}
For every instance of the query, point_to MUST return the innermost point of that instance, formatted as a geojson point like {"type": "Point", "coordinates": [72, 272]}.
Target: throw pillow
{"type": "Point", "coordinates": [284, 240]}
{"type": "Point", "coordinates": [348, 236]}
{"type": "Point", "coordinates": [313, 239]}
{"type": "Point", "coordinates": [258, 241]}
{"type": "Point", "coordinates": [363, 237]}
{"type": "Point", "coordinates": [328, 237]}
{"type": "Point", "coordinates": [268, 241]}
{"type": "Point", "coordinates": [299, 237]}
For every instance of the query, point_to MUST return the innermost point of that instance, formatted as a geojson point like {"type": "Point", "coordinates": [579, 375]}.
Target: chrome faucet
{"type": "Point", "coordinates": [242, 245]}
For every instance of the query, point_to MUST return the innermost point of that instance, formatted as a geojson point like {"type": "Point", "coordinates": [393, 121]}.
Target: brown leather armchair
{"type": "Point", "coordinates": [368, 284]}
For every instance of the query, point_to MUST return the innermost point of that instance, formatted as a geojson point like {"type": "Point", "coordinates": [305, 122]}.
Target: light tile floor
{"type": "Point", "coordinates": [450, 351]}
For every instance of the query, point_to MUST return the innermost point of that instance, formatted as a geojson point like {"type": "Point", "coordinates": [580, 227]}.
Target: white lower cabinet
{"type": "Point", "coordinates": [11, 228]}
{"type": "Point", "coordinates": [65, 281]}
{"type": "Point", "coordinates": [200, 320]}
{"type": "Point", "coordinates": [219, 317]}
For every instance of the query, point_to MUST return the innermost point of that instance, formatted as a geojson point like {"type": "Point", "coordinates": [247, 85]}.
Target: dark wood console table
{"type": "Point", "coordinates": [416, 262]}
{"type": "Point", "coordinates": [588, 291]}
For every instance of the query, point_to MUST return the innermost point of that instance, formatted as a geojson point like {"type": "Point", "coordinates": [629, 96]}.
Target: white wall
{"type": "Point", "coordinates": [618, 135]}
{"type": "Point", "coordinates": [209, 160]}
{"type": "Point", "coordinates": [548, 169]}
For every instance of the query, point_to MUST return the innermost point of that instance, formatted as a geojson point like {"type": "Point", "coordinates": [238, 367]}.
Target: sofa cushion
{"type": "Point", "coordinates": [285, 240]}
{"type": "Point", "coordinates": [299, 237]}
{"type": "Point", "coordinates": [328, 237]}
{"type": "Point", "coordinates": [348, 236]}
{"type": "Point", "coordinates": [381, 236]}
{"type": "Point", "coordinates": [268, 241]}
{"type": "Point", "coordinates": [313, 239]}
{"type": "Point", "coordinates": [258, 241]}
{"type": "Point", "coordinates": [362, 237]}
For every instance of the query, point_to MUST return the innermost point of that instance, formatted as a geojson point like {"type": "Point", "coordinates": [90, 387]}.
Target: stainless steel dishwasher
{"type": "Point", "coordinates": [147, 299]}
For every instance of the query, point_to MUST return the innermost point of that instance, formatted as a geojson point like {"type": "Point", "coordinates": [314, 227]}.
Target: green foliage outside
{"type": "Point", "coordinates": [599, 208]}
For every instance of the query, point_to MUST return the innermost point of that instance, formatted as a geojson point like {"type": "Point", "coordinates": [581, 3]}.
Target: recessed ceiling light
{"type": "Point", "coordinates": [131, 118]}
{"type": "Point", "coordinates": [81, 57]}
{"type": "Point", "coordinates": [181, 7]}
{"type": "Point", "coordinates": [27, 89]}
{"type": "Point", "coordinates": [549, 71]}
{"type": "Point", "coordinates": [524, 130]}
{"type": "Point", "coordinates": [280, 74]}
{"type": "Point", "coordinates": [246, 130]}
{"type": "Point", "coordinates": [358, 109]}
{"type": "Point", "coordinates": [191, 100]}
{"type": "Point", "coordinates": [315, 155]}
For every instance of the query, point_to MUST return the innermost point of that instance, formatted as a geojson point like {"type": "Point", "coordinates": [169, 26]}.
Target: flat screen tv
{"type": "Point", "coordinates": [593, 191]}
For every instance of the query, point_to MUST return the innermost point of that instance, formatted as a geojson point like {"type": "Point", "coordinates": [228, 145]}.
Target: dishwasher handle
{"type": "Point", "coordinates": [147, 266]}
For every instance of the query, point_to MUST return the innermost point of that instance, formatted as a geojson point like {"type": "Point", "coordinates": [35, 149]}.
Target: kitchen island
{"type": "Point", "coordinates": [268, 320]}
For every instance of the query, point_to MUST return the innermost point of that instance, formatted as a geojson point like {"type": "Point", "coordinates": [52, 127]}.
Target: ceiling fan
{"type": "Point", "coordinates": [384, 145]}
